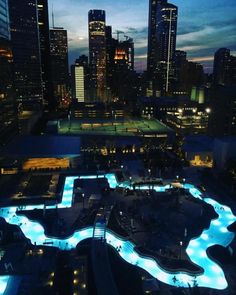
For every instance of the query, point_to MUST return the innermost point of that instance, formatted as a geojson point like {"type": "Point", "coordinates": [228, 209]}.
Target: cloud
{"type": "Point", "coordinates": [203, 25]}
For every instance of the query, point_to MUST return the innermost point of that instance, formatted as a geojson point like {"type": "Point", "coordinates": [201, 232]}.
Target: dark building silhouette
{"type": "Point", "coordinates": [59, 63]}
{"type": "Point", "coordinates": [223, 115]}
{"type": "Point", "coordinates": [224, 68]}
{"type": "Point", "coordinates": [109, 56]}
{"type": "Point", "coordinates": [25, 47]}
{"type": "Point", "coordinates": [97, 53]}
{"type": "Point", "coordinates": [152, 37]}
{"type": "Point", "coordinates": [187, 74]}
{"type": "Point", "coordinates": [181, 71]}
{"type": "Point", "coordinates": [162, 44]}
{"type": "Point", "coordinates": [221, 67]}
{"type": "Point", "coordinates": [123, 69]}
{"type": "Point", "coordinates": [8, 116]}
{"type": "Point", "coordinates": [44, 42]}
{"type": "Point", "coordinates": [232, 70]}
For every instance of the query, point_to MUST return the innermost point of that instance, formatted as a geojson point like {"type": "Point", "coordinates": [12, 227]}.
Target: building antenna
{"type": "Point", "coordinates": [53, 19]}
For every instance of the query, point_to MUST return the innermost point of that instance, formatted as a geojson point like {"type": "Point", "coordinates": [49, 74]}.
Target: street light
{"type": "Point", "coordinates": [83, 195]}
{"type": "Point", "coordinates": [181, 244]}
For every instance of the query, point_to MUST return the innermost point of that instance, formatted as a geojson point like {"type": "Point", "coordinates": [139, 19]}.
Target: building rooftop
{"type": "Point", "coordinates": [112, 127]}
{"type": "Point", "coordinates": [166, 100]}
{"type": "Point", "coordinates": [42, 146]}
{"type": "Point", "coordinates": [198, 143]}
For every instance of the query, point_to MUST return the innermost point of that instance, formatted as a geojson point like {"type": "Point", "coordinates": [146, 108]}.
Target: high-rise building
{"type": "Point", "coordinates": [79, 83]}
{"type": "Point", "coordinates": [80, 79]}
{"type": "Point", "coordinates": [223, 105]}
{"type": "Point", "coordinates": [44, 42]}
{"type": "Point", "coordinates": [122, 68]}
{"type": "Point", "coordinates": [162, 44]}
{"type": "Point", "coordinates": [8, 117]}
{"type": "Point", "coordinates": [233, 70]}
{"type": "Point", "coordinates": [4, 20]}
{"type": "Point", "coordinates": [109, 56]}
{"type": "Point", "coordinates": [59, 62]}
{"type": "Point", "coordinates": [221, 66]}
{"type": "Point", "coordinates": [97, 53]}
{"type": "Point", "coordinates": [189, 76]}
{"type": "Point", "coordinates": [25, 46]}
{"type": "Point", "coordinates": [152, 37]}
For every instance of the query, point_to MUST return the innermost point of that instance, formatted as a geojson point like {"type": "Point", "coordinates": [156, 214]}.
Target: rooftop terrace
{"type": "Point", "coordinates": [120, 127]}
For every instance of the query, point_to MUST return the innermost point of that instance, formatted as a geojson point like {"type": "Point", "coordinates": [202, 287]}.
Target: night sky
{"type": "Point", "coordinates": [203, 25]}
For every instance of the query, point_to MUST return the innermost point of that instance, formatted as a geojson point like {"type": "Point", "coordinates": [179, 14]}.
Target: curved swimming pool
{"type": "Point", "coordinates": [217, 234]}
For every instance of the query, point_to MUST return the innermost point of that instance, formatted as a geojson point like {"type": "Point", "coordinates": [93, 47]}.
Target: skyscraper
{"type": "Point", "coordinates": [59, 62]}
{"type": "Point", "coordinates": [232, 70]}
{"type": "Point", "coordinates": [4, 20]}
{"type": "Point", "coordinates": [8, 117]}
{"type": "Point", "coordinates": [162, 44]}
{"type": "Point", "coordinates": [152, 37]}
{"type": "Point", "coordinates": [221, 73]}
{"type": "Point", "coordinates": [97, 53]}
{"type": "Point", "coordinates": [187, 75]}
{"type": "Point", "coordinates": [80, 79]}
{"type": "Point", "coordinates": [122, 68]}
{"type": "Point", "coordinates": [109, 55]}
{"type": "Point", "coordinates": [43, 24]}
{"type": "Point", "coordinates": [25, 47]}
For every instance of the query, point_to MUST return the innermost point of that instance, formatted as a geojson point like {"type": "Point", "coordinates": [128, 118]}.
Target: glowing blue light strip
{"type": "Point", "coordinates": [213, 275]}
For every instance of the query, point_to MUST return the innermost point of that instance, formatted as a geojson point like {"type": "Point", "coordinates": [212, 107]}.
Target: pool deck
{"type": "Point", "coordinates": [217, 234]}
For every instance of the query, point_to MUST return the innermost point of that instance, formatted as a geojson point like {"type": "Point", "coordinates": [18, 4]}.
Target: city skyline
{"type": "Point", "coordinates": [200, 38]}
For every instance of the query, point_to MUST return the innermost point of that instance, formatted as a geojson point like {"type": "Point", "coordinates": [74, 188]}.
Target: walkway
{"type": "Point", "coordinates": [100, 259]}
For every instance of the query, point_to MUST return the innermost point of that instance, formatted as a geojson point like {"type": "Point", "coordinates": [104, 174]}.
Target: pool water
{"type": "Point", "coordinates": [217, 234]}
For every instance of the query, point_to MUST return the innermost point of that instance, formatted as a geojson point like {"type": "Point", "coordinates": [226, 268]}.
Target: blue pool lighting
{"type": "Point", "coordinates": [217, 234]}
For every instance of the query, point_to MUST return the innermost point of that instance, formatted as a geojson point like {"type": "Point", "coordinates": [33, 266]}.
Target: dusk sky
{"type": "Point", "coordinates": [203, 25]}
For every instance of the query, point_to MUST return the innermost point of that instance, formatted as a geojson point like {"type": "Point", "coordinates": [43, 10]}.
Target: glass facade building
{"type": "Point", "coordinates": [8, 118]}
{"type": "Point", "coordinates": [4, 20]}
{"type": "Point", "coordinates": [163, 18]}
{"type": "Point", "coordinates": [97, 53]}
{"type": "Point", "coordinates": [44, 43]}
{"type": "Point", "coordinates": [26, 51]}
{"type": "Point", "coordinates": [59, 62]}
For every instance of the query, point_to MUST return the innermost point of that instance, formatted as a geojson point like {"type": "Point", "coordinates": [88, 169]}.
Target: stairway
{"type": "Point", "coordinates": [99, 230]}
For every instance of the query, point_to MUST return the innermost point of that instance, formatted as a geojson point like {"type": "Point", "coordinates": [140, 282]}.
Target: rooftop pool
{"type": "Point", "coordinates": [217, 234]}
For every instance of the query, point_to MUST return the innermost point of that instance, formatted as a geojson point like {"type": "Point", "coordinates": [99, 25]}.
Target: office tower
{"type": "Point", "coordinates": [97, 53]}
{"type": "Point", "coordinates": [180, 65]}
{"type": "Point", "coordinates": [8, 117]}
{"type": "Point", "coordinates": [44, 43]}
{"type": "Point", "coordinates": [123, 68]}
{"type": "Point", "coordinates": [189, 76]}
{"type": "Point", "coordinates": [152, 37]}
{"type": "Point", "coordinates": [25, 47]}
{"type": "Point", "coordinates": [223, 105]}
{"type": "Point", "coordinates": [162, 44]}
{"type": "Point", "coordinates": [109, 56]}
{"type": "Point", "coordinates": [124, 54]}
{"type": "Point", "coordinates": [78, 81]}
{"type": "Point", "coordinates": [59, 62]}
{"type": "Point", "coordinates": [232, 70]}
{"type": "Point", "coordinates": [221, 67]}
